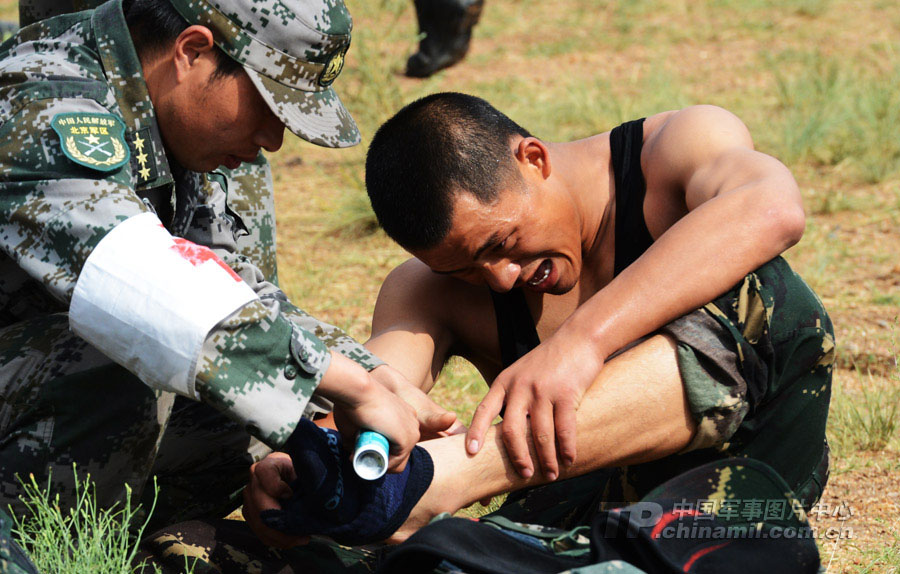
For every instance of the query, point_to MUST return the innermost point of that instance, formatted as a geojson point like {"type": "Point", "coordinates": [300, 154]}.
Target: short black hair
{"type": "Point", "coordinates": [154, 25]}
{"type": "Point", "coordinates": [437, 146]}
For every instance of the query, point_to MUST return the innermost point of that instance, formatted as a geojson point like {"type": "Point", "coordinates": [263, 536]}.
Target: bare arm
{"type": "Point", "coordinates": [421, 318]}
{"type": "Point", "coordinates": [744, 208]}
{"type": "Point", "coordinates": [621, 423]}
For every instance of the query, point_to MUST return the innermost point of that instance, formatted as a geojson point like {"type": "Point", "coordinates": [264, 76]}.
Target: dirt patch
{"type": "Point", "coordinates": [860, 506]}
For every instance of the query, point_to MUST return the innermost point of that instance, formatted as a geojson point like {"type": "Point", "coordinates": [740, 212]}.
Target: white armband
{"type": "Point", "coordinates": [148, 300]}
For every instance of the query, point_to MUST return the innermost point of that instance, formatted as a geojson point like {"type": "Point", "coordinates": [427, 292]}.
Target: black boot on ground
{"type": "Point", "coordinates": [447, 25]}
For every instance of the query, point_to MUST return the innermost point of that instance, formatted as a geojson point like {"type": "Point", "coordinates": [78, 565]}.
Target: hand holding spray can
{"type": "Point", "coordinates": [370, 457]}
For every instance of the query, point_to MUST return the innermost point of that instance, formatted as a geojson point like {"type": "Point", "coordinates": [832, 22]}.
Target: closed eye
{"type": "Point", "coordinates": [507, 242]}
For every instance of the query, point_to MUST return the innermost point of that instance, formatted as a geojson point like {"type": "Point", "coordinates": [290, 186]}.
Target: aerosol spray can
{"type": "Point", "coordinates": [370, 458]}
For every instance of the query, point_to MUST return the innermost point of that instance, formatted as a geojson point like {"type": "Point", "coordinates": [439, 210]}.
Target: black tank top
{"type": "Point", "coordinates": [515, 325]}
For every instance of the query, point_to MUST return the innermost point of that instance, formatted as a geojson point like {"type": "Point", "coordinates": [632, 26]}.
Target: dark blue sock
{"type": "Point", "coordinates": [330, 499]}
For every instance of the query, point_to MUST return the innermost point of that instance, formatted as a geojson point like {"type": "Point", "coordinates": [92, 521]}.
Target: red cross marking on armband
{"type": "Point", "coordinates": [198, 254]}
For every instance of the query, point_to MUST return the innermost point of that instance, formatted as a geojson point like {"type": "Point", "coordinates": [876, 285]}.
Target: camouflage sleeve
{"type": "Point", "coordinates": [251, 203]}
{"type": "Point", "coordinates": [333, 337]}
{"type": "Point", "coordinates": [262, 370]}
{"type": "Point", "coordinates": [53, 213]}
{"type": "Point", "coordinates": [271, 386]}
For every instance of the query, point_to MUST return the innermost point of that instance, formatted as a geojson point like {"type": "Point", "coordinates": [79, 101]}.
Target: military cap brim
{"type": "Point", "coordinates": [319, 117]}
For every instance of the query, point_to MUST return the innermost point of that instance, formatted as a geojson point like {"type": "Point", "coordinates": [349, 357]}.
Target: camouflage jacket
{"type": "Point", "coordinates": [78, 76]}
{"type": "Point", "coordinates": [31, 11]}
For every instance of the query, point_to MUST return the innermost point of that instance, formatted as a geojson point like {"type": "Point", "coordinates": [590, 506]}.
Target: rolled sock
{"type": "Point", "coordinates": [331, 500]}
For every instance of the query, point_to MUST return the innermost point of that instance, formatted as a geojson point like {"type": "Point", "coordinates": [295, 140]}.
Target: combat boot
{"type": "Point", "coordinates": [447, 25]}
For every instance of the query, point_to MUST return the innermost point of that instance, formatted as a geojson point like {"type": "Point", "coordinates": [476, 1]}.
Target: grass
{"type": "Point", "coordinates": [84, 539]}
{"type": "Point", "coordinates": [866, 420]}
{"type": "Point", "coordinates": [884, 560]}
{"type": "Point", "coordinates": [866, 416]}
{"type": "Point", "coordinates": [833, 111]}
{"type": "Point", "coordinates": [815, 81]}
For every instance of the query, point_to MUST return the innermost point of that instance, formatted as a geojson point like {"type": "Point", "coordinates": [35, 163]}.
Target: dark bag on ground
{"type": "Point", "coordinates": [734, 515]}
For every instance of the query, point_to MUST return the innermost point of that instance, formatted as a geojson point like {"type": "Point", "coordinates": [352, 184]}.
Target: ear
{"type": "Point", "coordinates": [191, 46]}
{"type": "Point", "coordinates": [532, 153]}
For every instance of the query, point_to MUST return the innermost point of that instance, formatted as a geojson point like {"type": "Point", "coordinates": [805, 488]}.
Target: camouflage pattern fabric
{"type": "Point", "coordinates": [62, 400]}
{"type": "Point", "coordinates": [31, 11]}
{"type": "Point", "coordinates": [229, 546]}
{"type": "Point", "coordinates": [292, 54]}
{"type": "Point", "coordinates": [13, 559]}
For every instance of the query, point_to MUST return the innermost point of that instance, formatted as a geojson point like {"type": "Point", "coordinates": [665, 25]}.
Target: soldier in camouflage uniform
{"type": "Point", "coordinates": [669, 226]}
{"type": "Point", "coordinates": [142, 331]}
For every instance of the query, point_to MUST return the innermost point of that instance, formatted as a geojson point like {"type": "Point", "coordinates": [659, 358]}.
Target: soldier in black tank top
{"type": "Point", "coordinates": [761, 423]}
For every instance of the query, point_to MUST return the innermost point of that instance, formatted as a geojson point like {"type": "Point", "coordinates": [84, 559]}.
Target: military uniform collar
{"type": "Point", "coordinates": [123, 71]}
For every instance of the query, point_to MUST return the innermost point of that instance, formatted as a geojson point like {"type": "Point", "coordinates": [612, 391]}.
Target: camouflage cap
{"type": "Point", "coordinates": [292, 50]}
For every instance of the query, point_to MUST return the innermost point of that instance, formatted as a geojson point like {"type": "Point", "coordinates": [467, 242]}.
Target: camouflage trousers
{"type": "Point", "coordinates": [62, 402]}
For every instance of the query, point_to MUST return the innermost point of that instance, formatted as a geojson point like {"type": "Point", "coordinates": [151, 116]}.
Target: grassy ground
{"type": "Point", "coordinates": [815, 80]}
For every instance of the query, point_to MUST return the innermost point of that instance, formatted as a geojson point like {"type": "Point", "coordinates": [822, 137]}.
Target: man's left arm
{"type": "Point", "coordinates": [741, 209]}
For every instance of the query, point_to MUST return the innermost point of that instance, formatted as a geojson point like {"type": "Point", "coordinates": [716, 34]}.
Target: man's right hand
{"type": "Point", "coordinates": [361, 402]}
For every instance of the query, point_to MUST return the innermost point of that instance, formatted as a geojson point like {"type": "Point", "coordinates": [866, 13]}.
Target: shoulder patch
{"type": "Point", "coordinates": [93, 140]}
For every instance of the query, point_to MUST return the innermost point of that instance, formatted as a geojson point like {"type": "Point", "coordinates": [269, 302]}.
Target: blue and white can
{"type": "Point", "coordinates": [370, 458]}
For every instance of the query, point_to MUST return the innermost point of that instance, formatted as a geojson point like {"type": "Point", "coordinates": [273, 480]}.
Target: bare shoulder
{"type": "Point", "coordinates": [406, 295]}
{"type": "Point", "coordinates": [693, 133]}
{"type": "Point", "coordinates": [413, 289]}
{"type": "Point", "coordinates": [678, 144]}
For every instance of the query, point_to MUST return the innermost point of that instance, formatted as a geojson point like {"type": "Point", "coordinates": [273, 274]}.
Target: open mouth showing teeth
{"type": "Point", "coordinates": [543, 271]}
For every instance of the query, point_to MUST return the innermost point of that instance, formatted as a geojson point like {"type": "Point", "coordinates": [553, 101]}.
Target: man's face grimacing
{"type": "Point", "coordinates": [207, 120]}
{"type": "Point", "coordinates": [527, 238]}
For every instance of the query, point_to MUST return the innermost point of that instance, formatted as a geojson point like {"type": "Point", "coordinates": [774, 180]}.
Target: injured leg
{"type": "Point", "coordinates": [330, 499]}
{"type": "Point", "coordinates": [636, 411]}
